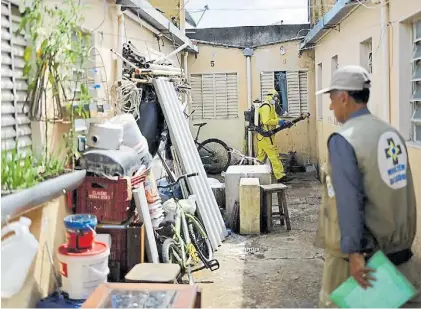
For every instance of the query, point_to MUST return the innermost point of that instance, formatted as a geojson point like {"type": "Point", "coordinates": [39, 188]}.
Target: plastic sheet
{"type": "Point", "coordinates": [139, 299]}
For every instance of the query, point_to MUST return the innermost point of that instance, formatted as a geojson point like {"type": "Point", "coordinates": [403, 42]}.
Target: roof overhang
{"type": "Point", "coordinates": [149, 14]}
{"type": "Point", "coordinates": [330, 20]}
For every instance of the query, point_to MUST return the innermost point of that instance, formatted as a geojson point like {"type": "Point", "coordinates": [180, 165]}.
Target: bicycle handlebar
{"type": "Point", "coordinates": [185, 176]}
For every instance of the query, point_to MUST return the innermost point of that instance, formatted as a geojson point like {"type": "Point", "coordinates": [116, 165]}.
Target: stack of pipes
{"type": "Point", "coordinates": [134, 63]}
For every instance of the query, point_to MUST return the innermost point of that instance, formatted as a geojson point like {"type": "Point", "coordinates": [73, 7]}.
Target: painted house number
{"type": "Point", "coordinates": [212, 63]}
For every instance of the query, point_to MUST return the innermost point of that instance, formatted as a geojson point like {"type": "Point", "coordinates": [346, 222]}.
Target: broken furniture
{"type": "Point", "coordinates": [267, 212]}
{"type": "Point", "coordinates": [143, 295]}
{"type": "Point", "coordinates": [250, 206]}
{"type": "Point", "coordinates": [232, 181]}
{"type": "Point", "coordinates": [153, 273]}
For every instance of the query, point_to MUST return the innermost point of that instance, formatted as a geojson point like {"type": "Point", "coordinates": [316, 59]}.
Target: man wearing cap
{"type": "Point", "coordinates": [368, 193]}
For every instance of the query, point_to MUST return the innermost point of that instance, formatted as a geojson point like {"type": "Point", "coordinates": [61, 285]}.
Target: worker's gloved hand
{"type": "Point", "coordinates": [284, 123]}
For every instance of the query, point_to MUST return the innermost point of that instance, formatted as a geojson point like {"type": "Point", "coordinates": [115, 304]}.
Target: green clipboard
{"type": "Point", "coordinates": [390, 290]}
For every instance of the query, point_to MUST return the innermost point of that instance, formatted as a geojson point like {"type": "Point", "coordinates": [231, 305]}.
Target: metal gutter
{"type": "Point", "coordinates": [329, 21]}
{"type": "Point", "coordinates": [149, 14]}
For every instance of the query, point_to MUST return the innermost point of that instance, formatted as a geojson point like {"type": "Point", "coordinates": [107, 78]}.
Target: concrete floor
{"type": "Point", "coordinates": [280, 269]}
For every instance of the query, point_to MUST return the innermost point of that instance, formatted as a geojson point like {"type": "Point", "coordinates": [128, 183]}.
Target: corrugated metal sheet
{"type": "Point", "coordinates": [15, 124]}
{"type": "Point", "coordinates": [190, 161]}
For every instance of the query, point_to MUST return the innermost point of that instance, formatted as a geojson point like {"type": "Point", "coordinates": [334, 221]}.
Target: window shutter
{"type": "Point", "coordinates": [294, 97]}
{"type": "Point", "coordinates": [232, 95]}
{"type": "Point", "coordinates": [196, 96]}
{"type": "Point", "coordinates": [267, 82]}
{"type": "Point", "coordinates": [15, 124]}
{"type": "Point", "coordinates": [221, 96]}
{"type": "Point", "coordinates": [303, 91]}
{"type": "Point", "coordinates": [416, 82]}
{"type": "Point", "coordinates": [214, 96]}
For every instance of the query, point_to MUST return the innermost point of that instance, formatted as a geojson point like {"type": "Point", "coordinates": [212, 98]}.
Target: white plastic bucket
{"type": "Point", "coordinates": [82, 273]}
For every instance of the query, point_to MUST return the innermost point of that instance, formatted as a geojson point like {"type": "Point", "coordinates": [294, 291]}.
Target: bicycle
{"type": "Point", "coordinates": [243, 159]}
{"type": "Point", "coordinates": [190, 244]}
{"type": "Point", "coordinates": [213, 152]}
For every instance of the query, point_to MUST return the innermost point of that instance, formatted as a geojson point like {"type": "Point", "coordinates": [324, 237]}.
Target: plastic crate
{"type": "Point", "coordinates": [126, 249]}
{"type": "Point", "coordinates": [109, 200]}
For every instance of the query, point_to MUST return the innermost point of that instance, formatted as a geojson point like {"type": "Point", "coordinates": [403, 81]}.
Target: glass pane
{"type": "Point", "coordinates": [418, 133]}
{"type": "Point", "coordinates": [139, 299]}
{"type": "Point", "coordinates": [417, 52]}
{"type": "Point", "coordinates": [417, 112]}
{"type": "Point", "coordinates": [418, 29]}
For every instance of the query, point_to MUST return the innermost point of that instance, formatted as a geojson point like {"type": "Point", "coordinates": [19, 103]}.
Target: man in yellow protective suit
{"type": "Point", "coordinates": [268, 120]}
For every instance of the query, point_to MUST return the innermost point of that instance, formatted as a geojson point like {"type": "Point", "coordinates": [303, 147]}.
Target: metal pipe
{"type": "Point", "coordinates": [249, 134]}
{"type": "Point", "coordinates": [384, 20]}
{"type": "Point", "coordinates": [120, 25]}
{"type": "Point", "coordinates": [16, 204]}
{"type": "Point", "coordinates": [124, 59]}
{"type": "Point", "coordinates": [174, 52]}
{"type": "Point", "coordinates": [160, 72]}
{"type": "Point", "coordinates": [162, 67]}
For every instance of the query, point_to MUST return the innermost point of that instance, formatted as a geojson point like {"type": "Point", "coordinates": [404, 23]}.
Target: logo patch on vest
{"type": "Point", "coordinates": [392, 160]}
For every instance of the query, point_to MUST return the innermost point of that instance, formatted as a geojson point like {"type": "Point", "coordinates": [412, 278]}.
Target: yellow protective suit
{"type": "Point", "coordinates": [269, 120]}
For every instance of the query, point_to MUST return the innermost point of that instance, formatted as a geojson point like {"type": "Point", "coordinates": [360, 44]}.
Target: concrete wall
{"type": "Point", "coordinates": [359, 26]}
{"type": "Point", "coordinates": [318, 8]}
{"type": "Point", "coordinates": [47, 221]}
{"type": "Point", "coordinates": [301, 138]}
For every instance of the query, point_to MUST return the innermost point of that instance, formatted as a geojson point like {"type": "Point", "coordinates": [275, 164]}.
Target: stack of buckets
{"type": "Point", "coordinates": [83, 260]}
{"type": "Point", "coordinates": [154, 201]}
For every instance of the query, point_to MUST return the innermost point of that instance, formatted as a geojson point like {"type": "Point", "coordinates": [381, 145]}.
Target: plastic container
{"type": "Point", "coordinates": [80, 231]}
{"type": "Point", "coordinates": [105, 136]}
{"type": "Point", "coordinates": [17, 254]}
{"type": "Point", "coordinates": [132, 137]}
{"type": "Point", "coordinates": [83, 272]}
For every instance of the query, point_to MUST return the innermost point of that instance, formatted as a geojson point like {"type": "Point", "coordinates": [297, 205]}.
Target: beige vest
{"type": "Point", "coordinates": [390, 208]}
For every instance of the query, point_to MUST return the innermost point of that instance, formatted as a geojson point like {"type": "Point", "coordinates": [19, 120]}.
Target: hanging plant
{"type": "Point", "coordinates": [58, 47]}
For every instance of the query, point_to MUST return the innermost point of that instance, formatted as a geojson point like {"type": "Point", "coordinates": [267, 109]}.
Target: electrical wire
{"type": "Point", "coordinates": [125, 98]}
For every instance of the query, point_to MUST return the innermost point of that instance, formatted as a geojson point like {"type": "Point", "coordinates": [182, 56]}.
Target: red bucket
{"type": "Point", "coordinates": [80, 240]}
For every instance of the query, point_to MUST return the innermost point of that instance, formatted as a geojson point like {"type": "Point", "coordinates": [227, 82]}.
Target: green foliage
{"type": "Point", "coordinates": [21, 172]}
{"type": "Point", "coordinates": [57, 47]}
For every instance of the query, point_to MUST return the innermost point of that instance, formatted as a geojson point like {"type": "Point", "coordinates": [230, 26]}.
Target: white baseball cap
{"type": "Point", "coordinates": [348, 78]}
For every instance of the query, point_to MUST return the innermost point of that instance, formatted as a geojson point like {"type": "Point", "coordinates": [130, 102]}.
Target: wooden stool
{"type": "Point", "coordinates": [268, 214]}
{"type": "Point", "coordinates": [153, 273]}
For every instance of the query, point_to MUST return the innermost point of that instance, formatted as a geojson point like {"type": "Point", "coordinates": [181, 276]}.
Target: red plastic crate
{"type": "Point", "coordinates": [125, 251]}
{"type": "Point", "coordinates": [109, 200]}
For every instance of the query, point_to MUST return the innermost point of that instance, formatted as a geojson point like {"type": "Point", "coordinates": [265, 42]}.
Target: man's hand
{"type": "Point", "coordinates": [361, 274]}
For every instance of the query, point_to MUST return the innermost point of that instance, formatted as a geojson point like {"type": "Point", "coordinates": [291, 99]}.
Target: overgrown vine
{"type": "Point", "coordinates": [57, 47]}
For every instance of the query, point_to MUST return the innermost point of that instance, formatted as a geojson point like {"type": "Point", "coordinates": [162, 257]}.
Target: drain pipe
{"type": "Point", "coordinates": [384, 20]}
{"type": "Point", "coordinates": [248, 52]}
{"type": "Point", "coordinates": [120, 22]}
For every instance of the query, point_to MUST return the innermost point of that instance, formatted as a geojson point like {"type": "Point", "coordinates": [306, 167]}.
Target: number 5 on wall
{"type": "Point", "coordinates": [212, 63]}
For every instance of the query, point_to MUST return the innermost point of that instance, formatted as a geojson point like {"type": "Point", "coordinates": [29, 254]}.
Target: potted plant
{"type": "Point", "coordinates": [58, 48]}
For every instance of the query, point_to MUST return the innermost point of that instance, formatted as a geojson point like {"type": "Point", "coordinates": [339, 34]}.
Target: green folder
{"type": "Point", "coordinates": [390, 290]}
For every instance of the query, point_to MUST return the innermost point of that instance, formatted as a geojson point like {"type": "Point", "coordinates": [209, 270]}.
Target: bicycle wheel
{"type": "Point", "coordinates": [199, 238]}
{"type": "Point", "coordinates": [215, 155]}
{"type": "Point", "coordinates": [171, 253]}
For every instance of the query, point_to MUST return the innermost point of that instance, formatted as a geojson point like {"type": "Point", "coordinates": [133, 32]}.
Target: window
{"type": "Point", "coordinates": [334, 65]}
{"type": "Point", "coordinates": [15, 123]}
{"type": "Point", "coordinates": [319, 99]}
{"type": "Point", "coordinates": [214, 96]}
{"type": "Point", "coordinates": [366, 55]}
{"type": "Point", "coordinates": [292, 87]}
{"type": "Point", "coordinates": [416, 82]}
